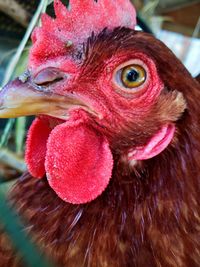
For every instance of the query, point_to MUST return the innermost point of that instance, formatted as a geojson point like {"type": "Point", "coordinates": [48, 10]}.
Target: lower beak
{"type": "Point", "coordinates": [20, 98]}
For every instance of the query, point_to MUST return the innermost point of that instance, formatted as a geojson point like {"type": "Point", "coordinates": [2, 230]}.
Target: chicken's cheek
{"type": "Point", "coordinates": [78, 162]}
{"type": "Point", "coordinates": [36, 147]}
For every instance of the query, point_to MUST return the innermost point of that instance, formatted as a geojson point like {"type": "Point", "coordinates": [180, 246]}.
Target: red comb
{"type": "Point", "coordinates": [74, 25]}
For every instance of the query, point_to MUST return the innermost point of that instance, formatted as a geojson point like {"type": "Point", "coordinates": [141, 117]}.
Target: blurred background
{"type": "Point", "coordinates": [175, 22]}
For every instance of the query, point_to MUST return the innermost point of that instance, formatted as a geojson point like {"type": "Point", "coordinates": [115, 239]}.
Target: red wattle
{"type": "Point", "coordinates": [78, 162]}
{"type": "Point", "coordinates": [36, 147]}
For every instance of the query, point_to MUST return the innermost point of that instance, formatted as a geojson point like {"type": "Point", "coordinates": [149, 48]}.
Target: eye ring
{"type": "Point", "coordinates": [133, 76]}
{"type": "Point", "coordinates": [117, 79]}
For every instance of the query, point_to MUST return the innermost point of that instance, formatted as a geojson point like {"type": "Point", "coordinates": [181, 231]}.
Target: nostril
{"type": "Point", "coordinates": [48, 76]}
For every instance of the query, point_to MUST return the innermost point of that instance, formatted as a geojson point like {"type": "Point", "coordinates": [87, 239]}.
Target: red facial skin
{"type": "Point", "coordinates": [114, 105]}
{"type": "Point", "coordinates": [93, 77]}
{"type": "Point", "coordinates": [51, 43]}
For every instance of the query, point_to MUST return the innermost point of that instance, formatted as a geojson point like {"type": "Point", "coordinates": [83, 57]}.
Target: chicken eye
{"type": "Point", "coordinates": [48, 76]}
{"type": "Point", "coordinates": [133, 76]}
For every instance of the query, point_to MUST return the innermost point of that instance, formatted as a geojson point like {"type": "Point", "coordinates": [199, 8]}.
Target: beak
{"type": "Point", "coordinates": [24, 98]}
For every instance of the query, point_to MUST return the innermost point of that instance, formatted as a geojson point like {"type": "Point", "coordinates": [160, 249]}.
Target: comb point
{"type": "Point", "coordinates": [60, 9]}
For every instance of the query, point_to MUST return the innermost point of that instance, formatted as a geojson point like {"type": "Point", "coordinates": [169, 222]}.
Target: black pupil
{"type": "Point", "coordinates": [132, 75]}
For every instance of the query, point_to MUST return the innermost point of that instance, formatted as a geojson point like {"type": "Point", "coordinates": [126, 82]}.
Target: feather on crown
{"type": "Point", "coordinates": [74, 25]}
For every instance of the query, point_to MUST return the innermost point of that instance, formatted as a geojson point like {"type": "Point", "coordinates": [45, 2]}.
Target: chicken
{"type": "Point", "coordinates": [114, 154]}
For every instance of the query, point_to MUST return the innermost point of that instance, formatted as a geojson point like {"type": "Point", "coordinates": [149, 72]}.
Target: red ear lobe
{"type": "Point", "coordinates": [36, 147]}
{"type": "Point", "coordinates": [78, 162]}
{"type": "Point", "coordinates": [155, 146]}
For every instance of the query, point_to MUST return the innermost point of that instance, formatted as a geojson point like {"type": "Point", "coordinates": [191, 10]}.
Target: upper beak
{"type": "Point", "coordinates": [24, 98]}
